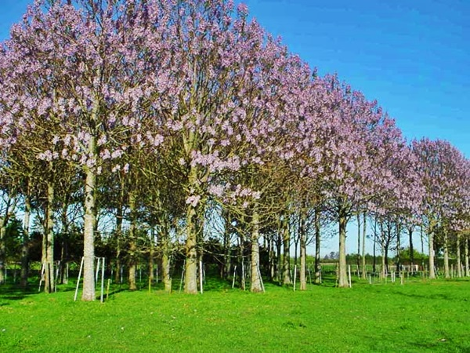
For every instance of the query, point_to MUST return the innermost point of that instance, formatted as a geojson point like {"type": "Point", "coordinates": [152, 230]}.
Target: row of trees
{"type": "Point", "coordinates": [164, 118]}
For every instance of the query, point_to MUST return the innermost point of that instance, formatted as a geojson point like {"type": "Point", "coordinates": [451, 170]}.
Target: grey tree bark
{"type": "Point", "coordinates": [25, 240]}
{"type": "Point", "coordinates": [342, 273]}
{"type": "Point", "coordinates": [286, 277]}
{"type": "Point", "coordinates": [89, 228]}
{"type": "Point", "coordinates": [256, 281]}
{"type": "Point", "coordinates": [317, 246]}
{"type": "Point", "coordinates": [49, 284]}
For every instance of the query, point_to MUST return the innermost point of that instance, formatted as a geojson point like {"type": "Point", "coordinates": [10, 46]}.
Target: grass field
{"type": "Point", "coordinates": [420, 316]}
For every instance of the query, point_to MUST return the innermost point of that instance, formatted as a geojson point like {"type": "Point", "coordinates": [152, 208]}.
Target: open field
{"type": "Point", "coordinates": [420, 316]}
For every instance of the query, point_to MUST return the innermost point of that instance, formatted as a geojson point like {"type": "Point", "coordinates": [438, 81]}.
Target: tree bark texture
{"type": "Point", "coordinates": [89, 229]}
{"type": "Point", "coordinates": [342, 267]}
{"type": "Point", "coordinates": [286, 277]}
{"type": "Point", "coordinates": [49, 271]}
{"type": "Point", "coordinates": [317, 246]}
{"type": "Point", "coordinates": [256, 281]}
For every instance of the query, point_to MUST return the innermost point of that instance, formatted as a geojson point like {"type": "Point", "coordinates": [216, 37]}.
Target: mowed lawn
{"type": "Point", "coordinates": [420, 316]}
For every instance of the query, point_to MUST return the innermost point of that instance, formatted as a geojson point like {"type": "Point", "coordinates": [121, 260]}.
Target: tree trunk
{"type": "Point", "coordinates": [286, 278]}
{"type": "Point", "coordinates": [64, 251]}
{"type": "Point", "coordinates": [272, 258]}
{"type": "Point", "coordinates": [342, 273]}
{"type": "Point", "coordinates": [3, 231]}
{"type": "Point", "coordinates": [152, 254]}
{"type": "Point", "coordinates": [119, 216]}
{"type": "Point", "coordinates": [226, 265]}
{"type": "Point", "coordinates": [166, 269]}
{"type": "Point", "coordinates": [364, 234]}
{"type": "Point", "coordinates": [256, 285]}
{"type": "Point", "coordinates": [467, 262]}
{"type": "Point", "coordinates": [278, 257]}
{"type": "Point", "coordinates": [432, 273]}
{"type": "Point", "coordinates": [446, 254]}
{"type": "Point", "coordinates": [49, 282]}
{"type": "Point", "coordinates": [25, 243]}
{"type": "Point", "coordinates": [410, 237]}
{"type": "Point", "coordinates": [190, 274]}
{"type": "Point", "coordinates": [132, 265]}
{"type": "Point", "coordinates": [89, 229]}
{"type": "Point", "coordinates": [317, 246]}
{"type": "Point", "coordinates": [459, 261]}
{"type": "Point", "coordinates": [303, 249]}
{"type": "Point", "coordinates": [398, 231]}
{"type": "Point", "coordinates": [241, 261]}
{"type": "Point", "coordinates": [166, 265]}
{"type": "Point", "coordinates": [358, 259]}
{"type": "Point", "coordinates": [383, 249]}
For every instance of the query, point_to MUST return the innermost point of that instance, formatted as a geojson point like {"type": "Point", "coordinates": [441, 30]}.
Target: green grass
{"type": "Point", "coordinates": [431, 316]}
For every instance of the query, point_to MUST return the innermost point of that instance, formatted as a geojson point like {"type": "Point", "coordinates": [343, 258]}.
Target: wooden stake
{"type": "Point", "coordinates": [97, 269]}
{"type": "Point", "coordinates": [43, 268]}
{"type": "Point", "coordinates": [78, 280]}
{"type": "Point", "coordinates": [102, 279]}
{"type": "Point", "coordinates": [234, 275]}
{"type": "Point", "coordinates": [295, 275]}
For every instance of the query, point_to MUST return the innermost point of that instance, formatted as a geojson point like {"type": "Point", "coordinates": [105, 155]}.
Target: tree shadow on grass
{"type": "Point", "coordinates": [433, 296]}
{"type": "Point", "coordinates": [8, 292]}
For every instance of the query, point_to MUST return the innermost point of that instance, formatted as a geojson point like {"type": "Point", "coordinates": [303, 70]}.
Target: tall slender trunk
{"type": "Point", "coordinates": [3, 231]}
{"type": "Point", "coordinates": [410, 237]}
{"type": "Point", "coordinates": [358, 259]}
{"type": "Point", "coordinates": [374, 245]}
{"type": "Point", "coordinates": [89, 228]}
{"type": "Point", "coordinates": [446, 254]}
{"type": "Point", "coordinates": [364, 234]}
{"type": "Point", "coordinates": [190, 274]}
{"type": "Point", "coordinates": [272, 257]}
{"type": "Point", "coordinates": [303, 248]}
{"type": "Point", "coordinates": [278, 258]}
{"type": "Point", "coordinates": [384, 254]}
{"type": "Point", "coordinates": [286, 277]}
{"type": "Point", "coordinates": [49, 282]}
{"type": "Point", "coordinates": [467, 270]}
{"type": "Point", "coordinates": [296, 244]}
{"type": "Point", "coordinates": [152, 254]}
{"type": "Point", "coordinates": [132, 265]}
{"type": "Point", "coordinates": [166, 263]}
{"type": "Point", "coordinates": [226, 265]}
{"type": "Point", "coordinates": [398, 231]}
{"type": "Point", "coordinates": [25, 240]}
{"type": "Point", "coordinates": [65, 244]}
{"type": "Point", "coordinates": [256, 285]}
{"type": "Point", "coordinates": [241, 261]}
{"type": "Point", "coordinates": [342, 273]}
{"type": "Point", "coordinates": [459, 260]}
{"type": "Point", "coordinates": [317, 245]}
{"type": "Point", "coordinates": [432, 273]}
{"type": "Point", "coordinates": [119, 216]}
{"type": "Point", "coordinates": [421, 238]}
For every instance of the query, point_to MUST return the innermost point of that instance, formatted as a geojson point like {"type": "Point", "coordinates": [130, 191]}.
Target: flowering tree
{"type": "Point", "coordinates": [444, 173]}
{"type": "Point", "coordinates": [74, 56]}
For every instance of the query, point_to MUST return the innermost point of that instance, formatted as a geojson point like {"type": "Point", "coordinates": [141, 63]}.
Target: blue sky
{"type": "Point", "coordinates": [413, 56]}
